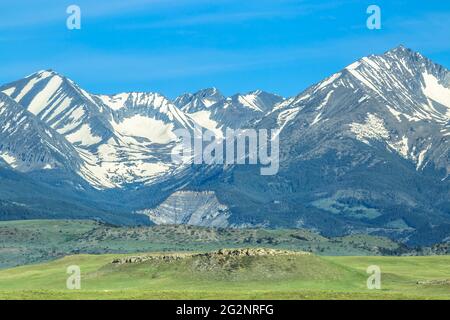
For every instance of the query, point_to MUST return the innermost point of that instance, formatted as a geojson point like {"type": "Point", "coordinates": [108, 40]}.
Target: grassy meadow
{"type": "Point", "coordinates": [271, 277]}
{"type": "Point", "coordinates": [35, 255]}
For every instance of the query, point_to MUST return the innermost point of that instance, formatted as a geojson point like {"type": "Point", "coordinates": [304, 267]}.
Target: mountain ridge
{"type": "Point", "coordinates": [364, 150]}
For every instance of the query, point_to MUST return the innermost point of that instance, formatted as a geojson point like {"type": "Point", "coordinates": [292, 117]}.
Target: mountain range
{"type": "Point", "coordinates": [366, 150]}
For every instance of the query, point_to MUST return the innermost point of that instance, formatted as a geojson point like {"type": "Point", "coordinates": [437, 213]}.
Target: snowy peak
{"type": "Point", "coordinates": [399, 100]}
{"type": "Point", "coordinates": [199, 101]}
{"type": "Point", "coordinates": [35, 91]}
{"type": "Point", "coordinates": [120, 139]}
{"type": "Point", "coordinates": [129, 100]}
{"type": "Point", "coordinates": [213, 111]}
{"type": "Point", "coordinates": [260, 101]}
{"type": "Point", "coordinates": [62, 105]}
{"type": "Point", "coordinates": [408, 83]}
{"type": "Point", "coordinates": [211, 98]}
{"type": "Point", "coordinates": [212, 94]}
{"type": "Point", "coordinates": [42, 90]}
{"type": "Point", "coordinates": [141, 105]}
{"type": "Point", "coordinates": [27, 144]}
{"type": "Point", "coordinates": [404, 54]}
{"type": "Point", "coordinates": [238, 111]}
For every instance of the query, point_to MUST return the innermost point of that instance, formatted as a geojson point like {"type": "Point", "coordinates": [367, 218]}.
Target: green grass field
{"type": "Point", "coordinates": [246, 277]}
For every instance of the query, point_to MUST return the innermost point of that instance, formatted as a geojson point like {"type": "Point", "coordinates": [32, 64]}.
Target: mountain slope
{"type": "Point", "coordinates": [122, 139]}
{"type": "Point", "coordinates": [201, 100]}
{"type": "Point", "coordinates": [27, 145]}
{"type": "Point", "coordinates": [399, 99]}
{"type": "Point", "coordinates": [239, 111]}
{"type": "Point", "coordinates": [365, 150]}
{"type": "Point", "coordinates": [62, 105]}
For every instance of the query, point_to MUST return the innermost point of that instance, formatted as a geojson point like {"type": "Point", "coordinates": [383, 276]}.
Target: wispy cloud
{"type": "Point", "coordinates": [211, 18]}
{"type": "Point", "coordinates": [296, 42]}
{"type": "Point", "coordinates": [25, 13]}
{"type": "Point", "coordinates": [277, 10]}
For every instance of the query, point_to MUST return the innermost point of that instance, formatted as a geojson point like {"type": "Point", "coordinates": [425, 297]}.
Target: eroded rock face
{"type": "Point", "coordinates": [222, 253]}
{"type": "Point", "coordinates": [190, 207]}
{"type": "Point", "coordinates": [252, 252]}
{"type": "Point", "coordinates": [140, 259]}
{"type": "Point", "coordinates": [441, 282]}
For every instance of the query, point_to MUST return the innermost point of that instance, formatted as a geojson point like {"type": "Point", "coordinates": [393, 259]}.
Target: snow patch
{"type": "Point", "coordinates": [285, 117]}
{"type": "Point", "coordinates": [372, 129]}
{"type": "Point", "coordinates": [401, 147]}
{"type": "Point", "coordinates": [436, 91]}
{"type": "Point", "coordinates": [9, 159]}
{"type": "Point", "coordinates": [139, 126]}
{"type": "Point", "coordinates": [203, 118]}
{"type": "Point", "coordinates": [328, 81]}
{"type": "Point", "coordinates": [83, 136]}
{"type": "Point", "coordinates": [353, 66]}
{"type": "Point", "coordinates": [421, 157]}
{"type": "Point", "coordinates": [9, 91]}
{"type": "Point", "coordinates": [41, 100]}
{"type": "Point", "coordinates": [395, 113]}
{"type": "Point", "coordinates": [249, 101]}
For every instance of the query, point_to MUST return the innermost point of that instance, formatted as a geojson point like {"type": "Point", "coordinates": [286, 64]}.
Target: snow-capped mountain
{"type": "Point", "coordinates": [198, 101]}
{"type": "Point", "coordinates": [122, 139]}
{"type": "Point", "coordinates": [237, 111]}
{"type": "Point", "coordinates": [146, 115]}
{"type": "Point", "coordinates": [62, 105]}
{"type": "Point", "coordinates": [399, 99]}
{"type": "Point", "coordinates": [244, 110]}
{"type": "Point", "coordinates": [28, 145]}
{"type": "Point", "coordinates": [365, 150]}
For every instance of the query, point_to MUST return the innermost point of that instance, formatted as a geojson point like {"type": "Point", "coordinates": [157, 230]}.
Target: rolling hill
{"type": "Point", "coordinates": [230, 274]}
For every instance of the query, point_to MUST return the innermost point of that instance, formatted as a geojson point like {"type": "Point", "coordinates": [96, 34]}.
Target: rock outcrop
{"type": "Point", "coordinates": [222, 253]}
{"type": "Point", "coordinates": [192, 208]}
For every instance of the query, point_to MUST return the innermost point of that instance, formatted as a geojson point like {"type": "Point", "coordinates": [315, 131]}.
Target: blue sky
{"type": "Point", "coordinates": [176, 46]}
